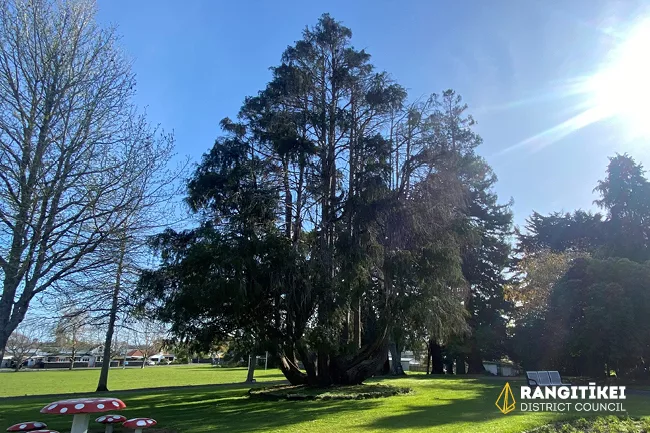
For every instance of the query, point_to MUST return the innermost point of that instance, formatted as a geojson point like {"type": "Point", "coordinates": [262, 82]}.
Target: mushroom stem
{"type": "Point", "coordinates": [138, 430]}
{"type": "Point", "coordinates": [80, 423]}
{"type": "Point", "coordinates": [109, 428]}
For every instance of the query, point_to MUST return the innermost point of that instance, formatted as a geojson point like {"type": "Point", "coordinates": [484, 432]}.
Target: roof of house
{"type": "Point", "coordinates": [504, 363]}
{"type": "Point", "coordinates": [135, 352]}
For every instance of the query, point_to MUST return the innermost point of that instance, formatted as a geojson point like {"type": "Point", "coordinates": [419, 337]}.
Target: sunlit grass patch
{"type": "Point", "coordinates": [42, 382]}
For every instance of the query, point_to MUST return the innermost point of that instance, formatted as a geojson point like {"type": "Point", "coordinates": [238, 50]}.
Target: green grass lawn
{"type": "Point", "coordinates": [437, 405]}
{"type": "Point", "coordinates": [39, 382]}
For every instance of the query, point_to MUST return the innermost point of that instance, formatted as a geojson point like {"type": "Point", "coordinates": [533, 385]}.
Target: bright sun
{"type": "Point", "coordinates": [622, 89]}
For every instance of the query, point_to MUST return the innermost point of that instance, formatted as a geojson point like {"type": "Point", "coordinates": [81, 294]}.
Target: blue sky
{"type": "Point", "coordinates": [510, 60]}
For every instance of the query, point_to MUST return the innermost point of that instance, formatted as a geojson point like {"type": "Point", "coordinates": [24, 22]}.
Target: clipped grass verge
{"type": "Point", "coordinates": [303, 392]}
{"type": "Point", "coordinates": [606, 424]}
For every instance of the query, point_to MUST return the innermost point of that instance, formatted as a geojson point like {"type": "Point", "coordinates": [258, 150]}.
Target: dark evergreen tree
{"type": "Point", "coordinates": [485, 262]}
{"type": "Point", "coordinates": [331, 219]}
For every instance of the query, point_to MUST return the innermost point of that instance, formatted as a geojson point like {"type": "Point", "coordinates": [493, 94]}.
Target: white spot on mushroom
{"type": "Point", "coordinates": [79, 406]}
{"type": "Point", "coordinates": [52, 407]}
{"type": "Point", "coordinates": [101, 419]}
{"type": "Point", "coordinates": [141, 423]}
{"type": "Point", "coordinates": [149, 421]}
{"type": "Point", "coordinates": [100, 406]}
{"type": "Point", "coordinates": [63, 410]}
{"type": "Point", "coordinates": [22, 426]}
{"type": "Point", "coordinates": [116, 404]}
{"type": "Point", "coordinates": [38, 424]}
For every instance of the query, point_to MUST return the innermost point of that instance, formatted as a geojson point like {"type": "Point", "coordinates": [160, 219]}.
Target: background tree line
{"type": "Point", "coordinates": [583, 290]}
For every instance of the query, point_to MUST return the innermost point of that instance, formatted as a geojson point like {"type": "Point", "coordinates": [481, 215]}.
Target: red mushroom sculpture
{"type": "Point", "coordinates": [139, 423]}
{"type": "Point", "coordinates": [81, 409]}
{"type": "Point", "coordinates": [109, 420]}
{"type": "Point", "coordinates": [27, 426]}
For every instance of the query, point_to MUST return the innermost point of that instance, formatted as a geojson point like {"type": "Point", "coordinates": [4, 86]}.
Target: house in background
{"type": "Point", "coordinates": [57, 358]}
{"type": "Point", "coordinates": [5, 362]}
{"type": "Point", "coordinates": [62, 360]}
{"type": "Point", "coordinates": [408, 361]}
{"type": "Point", "coordinates": [162, 358]}
{"type": "Point", "coordinates": [135, 357]}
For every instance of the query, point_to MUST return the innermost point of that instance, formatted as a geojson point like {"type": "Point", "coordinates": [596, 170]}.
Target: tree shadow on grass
{"type": "Point", "coordinates": [450, 401]}
{"type": "Point", "coordinates": [196, 410]}
{"type": "Point", "coordinates": [468, 378]}
{"type": "Point", "coordinates": [232, 411]}
{"type": "Point", "coordinates": [237, 370]}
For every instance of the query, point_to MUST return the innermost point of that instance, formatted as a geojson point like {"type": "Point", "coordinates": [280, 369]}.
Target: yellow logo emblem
{"type": "Point", "coordinates": [506, 401]}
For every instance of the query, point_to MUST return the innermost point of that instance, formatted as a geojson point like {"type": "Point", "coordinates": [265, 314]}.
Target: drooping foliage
{"type": "Point", "coordinates": [335, 218]}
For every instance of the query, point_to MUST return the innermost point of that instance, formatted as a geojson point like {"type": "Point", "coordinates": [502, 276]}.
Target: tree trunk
{"type": "Point", "coordinates": [102, 385]}
{"type": "Point", "coordinates": [4, 324]}
{"type": "Point", "coordinates": [309, 363]}
{"type": "Point", "coordinates": [428, 358]}
{"type": "Point", "coordinates": [288, 198]}
{"type": "Point", "coordinates": [357, 323]}
{"type": "Point", "coordinates": [291, 371]}
{"type": "Point", "coordinates": [437, 363]}
{"type": "Point", "coordinates": [449, 364]}
{"type": "Point", "coordinates": [323, 369]}
{"type": "Point", "coordinates": [339, 370]}
{"type": "Point", "coordinates": [460, 364]}
{"type": "Point", "coordinates": [73, 354]}
{"type": "Point", "coordinates": [364, 365]}
{"type": "Point", "coordinates": [475, 360]}
{"type": "Point", "coordinates": [298, 217]}
{"type": "Point", "coordinates": [385, 369]}
{"type": "Point", "coordinates": [396, 354]}
{"type": "Point", "coordinates": [252, 360]}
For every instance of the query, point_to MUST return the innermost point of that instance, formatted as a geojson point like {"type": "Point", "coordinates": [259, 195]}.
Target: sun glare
{"type": "Point", "coordinates": [622, 88]}
{"type": "Point", "coordinates": [619, 91]}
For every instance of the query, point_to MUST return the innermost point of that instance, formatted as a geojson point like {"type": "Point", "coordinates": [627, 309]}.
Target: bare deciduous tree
{"type": "Point", "coordinates": [152, 208]}
{"type": "Point", "coordinates": [66, 146]}
{"type": "Point", "coordinates": [23, 344]}
{"type": "Point", "coordinates": [148, 338]}
{"type": "Point", "coordinates": [70, 331]}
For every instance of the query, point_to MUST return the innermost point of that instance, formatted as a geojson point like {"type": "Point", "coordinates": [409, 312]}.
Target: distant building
{"type": "Point", "coordinates": [134, 355]}
{"type": "Point", "coordinates": [55, 357]}
{"type": "Point", "coordinates": [502, 368]}
{"type": "Point", "coordinates": [407, 360]}
{"type": "Point", "coordinates": [163, 358]}
{"type": "Point", "coordinates": [6, 361]}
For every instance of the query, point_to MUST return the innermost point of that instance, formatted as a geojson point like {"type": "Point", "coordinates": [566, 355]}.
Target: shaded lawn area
{"type": "Point", "coordinates": [437, 405]}
{"type": "Point", "coordinates": [40, 382]}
